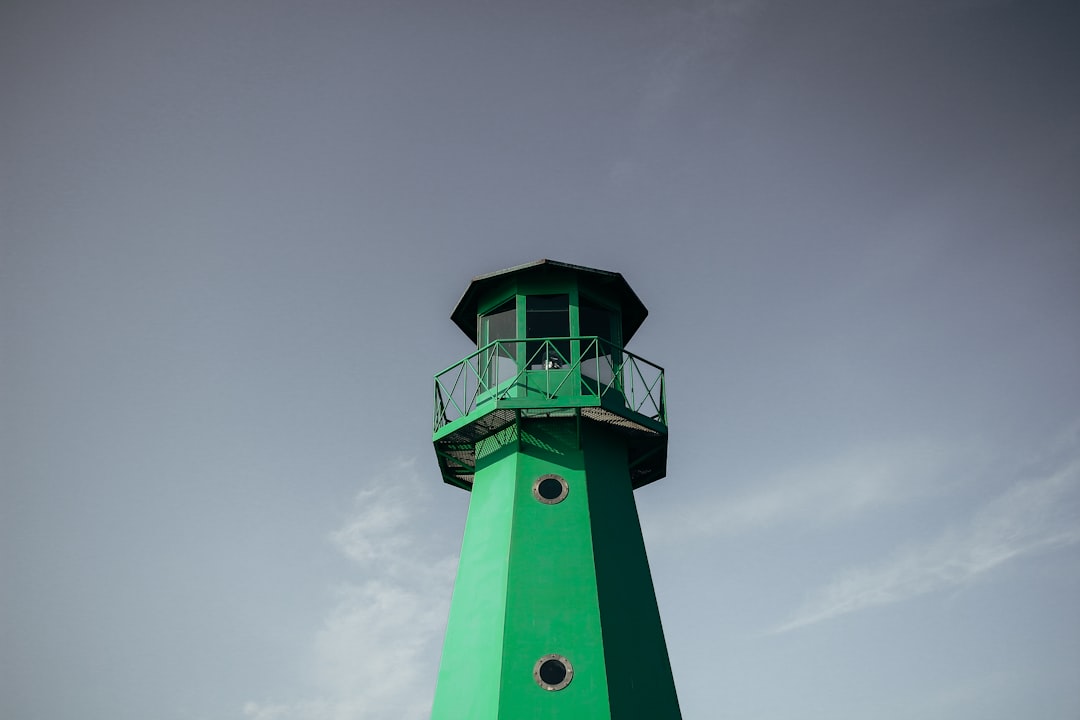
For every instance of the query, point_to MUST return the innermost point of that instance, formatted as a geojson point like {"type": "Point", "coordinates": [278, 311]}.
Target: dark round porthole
{"type": "Point", "coordinates": [550, 489]}
{"type": "Point", "coordinates": [553, 672]}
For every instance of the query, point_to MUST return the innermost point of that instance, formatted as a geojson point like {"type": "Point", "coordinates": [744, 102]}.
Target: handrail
{"type": "Point", "coordinates": [563, 368]}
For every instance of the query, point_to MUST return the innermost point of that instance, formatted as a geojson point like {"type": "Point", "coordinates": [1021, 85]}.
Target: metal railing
{"type": "Point", "coordinates": [563, 371]}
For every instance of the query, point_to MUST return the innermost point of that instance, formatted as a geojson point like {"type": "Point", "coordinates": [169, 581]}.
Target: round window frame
{"type": "Point", "coordinates": [566, 678]}
{"type": "Point", "coordinates": [558, 498]}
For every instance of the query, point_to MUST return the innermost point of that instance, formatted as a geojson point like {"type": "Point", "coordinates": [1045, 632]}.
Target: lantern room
{"type": "Point", "coordinates": [549, 338]}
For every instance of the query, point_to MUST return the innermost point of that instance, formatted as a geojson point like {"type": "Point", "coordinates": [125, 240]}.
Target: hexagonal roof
{"type": "Point", "coordinates": [609, 284]}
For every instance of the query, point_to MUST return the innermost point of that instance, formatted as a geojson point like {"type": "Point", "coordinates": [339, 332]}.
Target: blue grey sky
{"type": "Point", "coordinates": [231, 234]}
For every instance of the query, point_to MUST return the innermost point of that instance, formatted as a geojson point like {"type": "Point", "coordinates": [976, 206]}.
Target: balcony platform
{"type": "Point", "coordinates": [490, 395]}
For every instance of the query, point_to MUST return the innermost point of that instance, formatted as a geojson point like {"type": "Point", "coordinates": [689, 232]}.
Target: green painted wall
{"type": "Point", "coordinates": [570, 578]}
{"type": "Point", "coordinates": [468, 685]}
{"type": "Point", "coordinates": [638, 669]}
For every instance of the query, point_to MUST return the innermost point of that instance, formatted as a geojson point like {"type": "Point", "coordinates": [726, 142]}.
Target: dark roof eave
{"type": "Point", "coordinates": [634, 311]}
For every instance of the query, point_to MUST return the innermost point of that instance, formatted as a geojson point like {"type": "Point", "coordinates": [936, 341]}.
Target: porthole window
{"type": "Point", "coordinates": [550, 489]}
{"type": "Point", "coordinates": [553, 672]}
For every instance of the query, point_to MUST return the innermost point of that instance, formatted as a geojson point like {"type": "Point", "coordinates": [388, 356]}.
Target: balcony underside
{"type": "Point", "coordinates": [456, 443]}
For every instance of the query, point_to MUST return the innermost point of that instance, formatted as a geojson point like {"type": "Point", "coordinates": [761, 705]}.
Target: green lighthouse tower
{"type": "Point", "coordinates": [551, 425]}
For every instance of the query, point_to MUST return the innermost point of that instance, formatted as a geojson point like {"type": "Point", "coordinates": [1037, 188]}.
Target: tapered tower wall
{"type": "Point", "coordinates": [570, 578]}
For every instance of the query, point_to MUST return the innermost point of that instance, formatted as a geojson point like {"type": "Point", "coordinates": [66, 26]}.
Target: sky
{"type": "Point", "coordinates": [231, 235]}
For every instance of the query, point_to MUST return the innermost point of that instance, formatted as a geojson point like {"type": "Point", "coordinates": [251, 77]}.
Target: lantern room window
{"type": "Point", "coordinates": [547, 316]}
{"type": "Point", "coordinates": [598, 357]}
{"type": "Point", "coordinates": [499, 324]}
{"type": "Point", "coordinates": [596, 321]}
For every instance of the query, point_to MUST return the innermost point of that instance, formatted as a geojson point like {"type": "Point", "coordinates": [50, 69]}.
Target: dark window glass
{"type": "Point", "coordinates": [547, 316]}
{"type": "Point", "coordinates": [549, 488]}
{"type": "Point", "coordinates": [552, 672]}
{"type": "Point", "coordinates": [597, 357]}
{"type": "Point", "coordinates": [595, 321]}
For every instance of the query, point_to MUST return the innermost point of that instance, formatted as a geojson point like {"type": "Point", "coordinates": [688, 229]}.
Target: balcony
{"type": "Point", "coordinates": [584, 377]}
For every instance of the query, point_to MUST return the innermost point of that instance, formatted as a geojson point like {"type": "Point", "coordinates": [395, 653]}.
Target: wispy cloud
{"type": "Point", "coordinates": [1032, 516]}
{"type": "Point", "coordinates": [703, 33]}
{"type": "Point", "coordinates": [685, 42]}
{"type": "Point", "coordinates": [376, 654]}
{"type": "Point", "coordinates": [830, 491]}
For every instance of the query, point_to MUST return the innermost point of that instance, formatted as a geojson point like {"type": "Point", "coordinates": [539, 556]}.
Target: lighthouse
{"type": "Point", "coordinates": [551, 424]}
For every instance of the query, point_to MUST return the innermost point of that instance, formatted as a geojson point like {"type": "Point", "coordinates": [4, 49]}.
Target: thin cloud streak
{"type": "Point", "coordinates": [706, 33]}
{"type": "Point", "coordinates": [375, 654]}
{"type": "Point", "coordinates": [1031, 517]}
{"type": "Point", "coordinates": [840, 488]}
